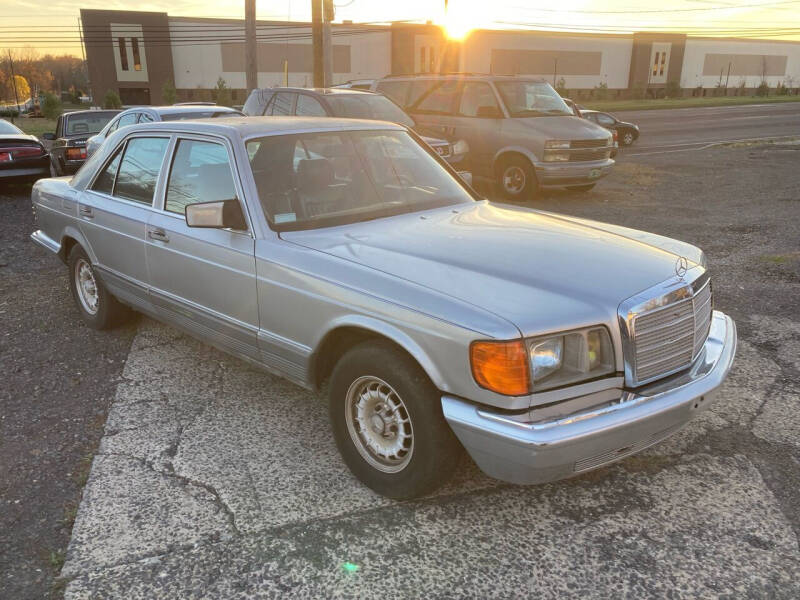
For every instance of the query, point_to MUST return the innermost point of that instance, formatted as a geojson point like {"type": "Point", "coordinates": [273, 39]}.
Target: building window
{"type": "Point", "coordinates": [663, 61]}
{"type": "Point", "coordinates": [123, 53]}
{"type": "Point", "coordinates": [137, 61]}
{"type": "Point", "coordinates": [655, 63]}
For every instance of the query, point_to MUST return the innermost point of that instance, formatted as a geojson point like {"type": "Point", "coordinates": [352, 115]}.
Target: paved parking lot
{"type": "Point", "coordinates": [213, 480]}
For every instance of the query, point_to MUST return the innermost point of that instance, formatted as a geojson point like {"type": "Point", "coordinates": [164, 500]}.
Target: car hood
{"type": "Point", "coordinates": [537, 270]}
{"type": "Point", "coordinates": [562, 128]}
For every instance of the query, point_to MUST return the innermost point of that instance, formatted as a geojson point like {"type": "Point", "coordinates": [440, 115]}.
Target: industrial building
{"type": "Point", "coordinates": [135, 53]}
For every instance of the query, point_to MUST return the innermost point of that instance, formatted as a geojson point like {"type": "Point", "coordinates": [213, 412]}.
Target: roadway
{"type": "Point", "coordinates": [685, 129]}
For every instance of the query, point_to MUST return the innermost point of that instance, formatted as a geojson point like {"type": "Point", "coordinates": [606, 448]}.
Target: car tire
{"type": "Point", "coordinates": [516, 179]}
{"type": "Point", "coordinates": [387, 421]}
{"type": "Point", "coordinates": [97, 307]}
{"type": "Point", "coordinates": [581, 188]}
{"type": "Point", "coordinates": [627, 137]}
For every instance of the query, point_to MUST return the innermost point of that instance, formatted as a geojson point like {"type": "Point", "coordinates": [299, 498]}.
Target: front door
{"type": "Point", "coordinates": [478, 120]}
{"type": "Point", "coordinates": [203, 279]}
{"type": "Point", "coordinates": [113, 214]}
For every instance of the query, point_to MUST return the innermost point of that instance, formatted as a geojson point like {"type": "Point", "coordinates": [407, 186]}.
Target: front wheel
{"type": "Point", "coordinates": [517, 178]}
{"type": "Point", "coordinates": [388, 424]}
{"type": "Point", "coordinates": [627, 137]}
{"type": "Point", "coordinates": [95, 303]}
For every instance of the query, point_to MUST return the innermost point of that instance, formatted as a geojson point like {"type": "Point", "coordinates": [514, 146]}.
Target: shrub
{"type": "Point", "coordinates": [561, 88]}
{"type": "Point", "coordinates": [601, 91]}
{"type": "Point", "coordinates": [638, 90]}
{"type": "Point", "coordinates": [222, 93]}
{"type": "Point", "coordinates": [763, 89]}
{"type": "Point", "coordinates": [51, 106]}
{"type": "Point", "coordinates": [168, 92]}
{"type": "Point", "coordinates": [111, 100]}
{"type": "Point", "coordinates": [8, 113]}
{"type": "Point", "coordinates": [673, 89]}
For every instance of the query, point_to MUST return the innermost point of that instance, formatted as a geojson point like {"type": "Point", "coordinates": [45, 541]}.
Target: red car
{"type": "Point", "coordinates": [22, 157]}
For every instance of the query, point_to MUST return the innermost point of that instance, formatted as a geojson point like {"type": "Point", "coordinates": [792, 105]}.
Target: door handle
{"type": "Point", "coordinates": [157, 234]}
{"type": "Point", "coordinates": [86, 211]}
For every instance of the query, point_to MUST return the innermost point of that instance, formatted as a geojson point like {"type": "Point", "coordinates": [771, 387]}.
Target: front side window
{"type": "Point", "coordinates": [281, 104]}
{"type": "Point", "coordinates": [605, 119]}
{"type": "Point", "coordinates": [474, 96]}
{"type": "Point", "coordinates": [531, 99]}
{"type": "Point", "coordinates": [321, 179]}
{"type": "Point", "coordinates": [128, 119]}
{"type": "Point", "coordinates": [440, 100]}
{"type": "Point", "coordinates": [201, 172]}
{"type": "Point", "coordinates": [368, 106]}
{"type": "Point", "coordinates": [309, 107]}
{"type": "Point", "coordinates": [138, 171]}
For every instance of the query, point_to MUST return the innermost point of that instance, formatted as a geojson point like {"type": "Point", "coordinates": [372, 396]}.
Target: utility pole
{"type": "Point", "coordinates": [318, 46]}
{"type": "Point", "coordinates": [555, 70]}
{"type": "Point", "coordinates": [727, 77]}
{"type": "Point", "coordinates": [250, 44]}
{"type": "Point", "coordinates": [327, 44]}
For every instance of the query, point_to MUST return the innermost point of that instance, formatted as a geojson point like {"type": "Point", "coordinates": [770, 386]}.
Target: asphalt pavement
{"type": "Point", "coordinates": [690, 129]}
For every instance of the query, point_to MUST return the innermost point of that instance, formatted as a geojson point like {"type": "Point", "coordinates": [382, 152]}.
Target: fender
{"type": "Point", "coordinates": [518, 150]}
{"type": "Point", "coordinates": [73, 232]}
{"type": "Point", "coordinates": [388, 331]}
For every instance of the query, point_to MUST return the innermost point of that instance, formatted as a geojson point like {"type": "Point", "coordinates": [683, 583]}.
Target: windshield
{"type": "Point", "coordinates": [531, 99]}
{"type": "Point", "coordinates": [6, 127]}
{"type": "Point", "coordinates": [88, 123]}
{"type": "Point", "coordinates": [322, 179]}
{"type": "Point", "coordinates": [368, 106]}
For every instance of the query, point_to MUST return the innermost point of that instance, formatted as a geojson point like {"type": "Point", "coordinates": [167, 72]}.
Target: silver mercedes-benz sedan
{"type": "Point", "coordinates": [348, 252]}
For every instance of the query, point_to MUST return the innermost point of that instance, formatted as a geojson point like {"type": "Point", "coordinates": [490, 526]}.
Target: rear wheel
{"type": "Point", "coordinates": [388, 424]}
{"type": "Point", "coordinates": [627, 137]}
{"type": "Point", "coordinates": [95, 303]}
{"type": "Point", "coordinates": [517, 178]}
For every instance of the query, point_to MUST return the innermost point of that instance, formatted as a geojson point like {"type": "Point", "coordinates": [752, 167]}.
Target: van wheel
{"type": "Point", "coordinates": [96, 305]}
{"type": "Point", "coordinates": [517, 178]}
{"type": "Point", "coordinates": [581, 188]}
{"type": "Point", "coordinates": [388, 424]}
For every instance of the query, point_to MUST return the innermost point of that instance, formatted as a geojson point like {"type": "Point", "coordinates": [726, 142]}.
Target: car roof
{"type": "Point", "coordinates": [69, 113]}
{"type": "Point", "coordinates": [465, 76]}
{"type": "Point", "coordinates": [321, 91]}
{"type": "Point", "coordinates": [186, 108]}
{"type": "Point", "coordinates": [247, 127]}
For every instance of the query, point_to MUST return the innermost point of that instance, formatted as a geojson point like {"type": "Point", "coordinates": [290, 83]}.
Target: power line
{"type": "Point", "coordinates": [660, 10]}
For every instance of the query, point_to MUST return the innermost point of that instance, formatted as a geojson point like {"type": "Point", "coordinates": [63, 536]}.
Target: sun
{"type": "Point", "coordinates": [456, 27]}
{"type": "Point", "coordinates": [461, 18]}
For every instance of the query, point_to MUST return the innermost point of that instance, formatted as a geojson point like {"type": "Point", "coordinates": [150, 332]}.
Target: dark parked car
{"type": "Point", "coordinates": [628, 132]}
{"type": "Point", "coordinates": [68, 143]}
{"type": "Point", "coordinates": [350, 103]}
{"type": "Point", "coordinates": [22, 156]}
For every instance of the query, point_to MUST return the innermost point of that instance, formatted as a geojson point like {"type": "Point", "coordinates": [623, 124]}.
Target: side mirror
{"type": "Point", "coordinates": [489, 112]}
{"type": "Point", "coordinates": [50, 137]}
{"type": "Point", "coordinates": [223, 214]}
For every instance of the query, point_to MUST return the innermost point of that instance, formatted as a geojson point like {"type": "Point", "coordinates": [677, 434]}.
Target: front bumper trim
{"type": "Point", "coordinates": [537, 452]}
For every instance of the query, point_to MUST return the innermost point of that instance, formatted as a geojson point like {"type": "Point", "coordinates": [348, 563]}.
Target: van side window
{"type": "Point", "coordinates": [282, 104]}
{"type": "Point", "coordinates": [419, 87]}
{"type": "Point", "coordinates": [138, 171]}
{"type": "Point", "coordinates": [309, 107]}
{"type": "Point", "coordinates": [474, 96]}
{"type": "Point", "coordinates": [396, 90]}
{"type": "Point", "coordinates": [440, 100]}
{"type": "Point", "coordinates": [201, 172]}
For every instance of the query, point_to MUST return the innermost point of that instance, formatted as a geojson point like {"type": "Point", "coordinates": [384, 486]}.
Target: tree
{"type": "Point", "coordinates": [673, 89]}
{"type": "Point", "coordinates": [222, 93]}
{"type": "Point", "coordinates": [111, 100]}
{"type": "Point", "coordinates": [51, 106]}
{"type": "Point", "coordinates": [168, 92]}
{"type": "Point", "coordinates": [23, 89]}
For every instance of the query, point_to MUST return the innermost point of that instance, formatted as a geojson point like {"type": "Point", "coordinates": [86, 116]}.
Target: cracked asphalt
{"type": "Point", "coordinates": [213, 480]}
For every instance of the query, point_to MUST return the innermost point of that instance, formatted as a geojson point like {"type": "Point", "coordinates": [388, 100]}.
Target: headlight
{"type": "Point", "coordinates": [569, 358]}
{"type": "Point", "coordinates": [550, 156]}
{"type": "Point", "coordinates": [557, 144]}
{"type": "Point", "coordinates": [460, 147]}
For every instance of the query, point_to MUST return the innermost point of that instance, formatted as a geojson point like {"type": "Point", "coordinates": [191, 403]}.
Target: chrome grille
{"type": "Point", "coordinates": [587, 144]}
{"type": "Point", "coordinates": [592, 154]}
{"type": "Point", "coordinates": [669, 338]}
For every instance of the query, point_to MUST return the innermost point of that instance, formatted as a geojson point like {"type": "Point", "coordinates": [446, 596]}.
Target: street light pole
{"type": "Point", "coordinates": [250, 44]}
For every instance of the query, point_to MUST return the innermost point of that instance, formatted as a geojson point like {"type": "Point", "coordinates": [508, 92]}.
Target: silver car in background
{"type": "Point", "coordinates": [519, 131]}
{"type": "Point", "coordinates": [349, 252]}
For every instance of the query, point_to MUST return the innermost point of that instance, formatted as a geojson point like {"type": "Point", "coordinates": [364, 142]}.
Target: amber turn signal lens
{"type": "Point", "coordinates": [501, 367]}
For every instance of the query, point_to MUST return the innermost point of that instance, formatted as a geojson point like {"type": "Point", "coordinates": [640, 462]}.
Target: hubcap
{"type": "Point", "coordinates": [628, 139]}
{"type": "Point", "coordinates": [514, 179]}
{"type": "Point", "coordinates": [379, 424]}
{"type": "Point", "coordinates": [87, 286]}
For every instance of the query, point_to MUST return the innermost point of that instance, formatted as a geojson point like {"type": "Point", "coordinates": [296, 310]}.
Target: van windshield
{"type": "Point", "coordinates": [322, 179]}
{"type": "Point", "coordinates": [532, 99]}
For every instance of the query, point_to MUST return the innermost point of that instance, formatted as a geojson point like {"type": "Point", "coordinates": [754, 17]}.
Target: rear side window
{"type": "Point", "coordinates": [309, 107]}
{"type": "Point", "coordinates": [440, 100]}
{"type": "Point", "coordinates": [201, 172]}
{"type": "Point", "coordinates": [396, 90]}
{"type": "Point", "coordinates": [476, 95]}
{"type": "Point", "coordinates": [129, 119]}
{"type": "Point", "coordinates": [105, 180]}
{"type": "Point", "coordinates": [281, 105]}
{"type": "Point", "coordinates": [145, 118]}
{"type": "Point", "coordinates": [138, 171]}
{"type": "Point", "coordinates": [419, 87]}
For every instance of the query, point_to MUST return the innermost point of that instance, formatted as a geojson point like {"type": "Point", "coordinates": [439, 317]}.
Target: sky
{"type": "Point", "coordinates": [23, 24]}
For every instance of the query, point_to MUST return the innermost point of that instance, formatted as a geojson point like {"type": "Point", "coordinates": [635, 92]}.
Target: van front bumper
{"type": "Point", "coordinates": [536, 452]}
{"type": "Point", "coordinates": [572, 173]}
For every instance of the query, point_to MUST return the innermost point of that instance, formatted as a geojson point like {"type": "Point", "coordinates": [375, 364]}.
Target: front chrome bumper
{"type": "Point", "coordinates": [568, 173]}
{"type": "Point", "coordinates": [536, 452]}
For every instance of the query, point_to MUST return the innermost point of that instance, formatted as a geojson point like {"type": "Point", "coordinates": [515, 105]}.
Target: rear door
{"type": "Point", "coordinates": [203, 279]}
{"type": "Point", "coordinates": [436, 107]}
{"type": "Point", "coordinates": [114, 210]}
